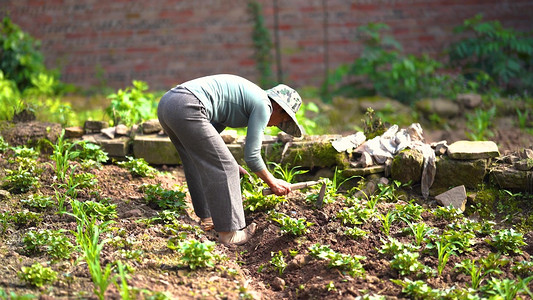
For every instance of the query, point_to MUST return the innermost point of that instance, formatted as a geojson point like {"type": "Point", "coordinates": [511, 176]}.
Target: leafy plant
{"type": "Point", "coordinates": [138, 167]}
{"type": "Point", "coordinates": [132, 105]}
{"type": "Point", "coordinates": [444, 250]}
{"type": "Point", "coordinates": [406, 262]}
{"type": "Point", "coordinates": [507, 241]}
{"type": "Point", "coordinates": [355, 215]}
{"type": "Point", "coordinates": [348, 263]}
{"type": "Point", "coordinates": [523, 268]}
{"type": "Point", "coordinates": [37, 275]}
{"type": "Point", "coordinates": [386, 221]}
{"type": "Point", "coordinates": [13, 296]}
{"type": "Point", "coordinates": [195, 254]}
{"type": "Point", "coordinates": [26, 218]}
{"type": "Point", "coordinates": [38, 201]}
{"type": "Point", "coordinates": [417, 289]}
{"type": "Point", "coordinates": [91, 155]}
{"type": "Point", "coordinates": [291, 226]}
{"type": "Point", "coordinates": [449, 213]}
{"type": "Point", "coordinates": [480, 268]}
{"type": "Point", "coordinates": [98, 210]}
{"type": "Point", "coordinates": [278, 261]}
{"type": "Point", "coordinates": [489, 48]}
{"type": "Point", "coordinates": [64, 151]}
{"type": "Point", "coordinates": [289, 175]}
{"type": "Point", "coordinates": [160, 198]}
{"type": "Point", "coordinates": [356, 233]}
{"type": "Point", "coordinates": [507, 289]}
{"type": "Point", "coordinates": [53, 242]}
{"type": "Point", "coordinates": [420, 231]}
{"type": "Point", "coordinates": [20, 180]}
{"type": "Point", "coordinates": [410, 212]}
{"type": "Point", "coordinates": [392, 246]}
{"type": "Point", "coordinates": [479, 124]}
{"type": "Point", "coordinates": [3, 144]}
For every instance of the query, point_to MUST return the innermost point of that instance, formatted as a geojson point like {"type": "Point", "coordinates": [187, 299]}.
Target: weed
{"type": "Point", "coordinates": [98, 210]}
{"type": "Point", "coordinates": [138, 167]}
{"type": "Point", "coordinates": [411, 212]}
{"type": "Point", "coordinates": [291, 226]}
{"type": "Point", "coordinates": [355, 215]}
{"type": "Point", "coordinates": [420, 231]}
{"type": "Point", "coordinates": [38, 202]}
{"type": "Point", "coordinates": [507, 289]}
{"type": "Point", "coordinates": [278, 261]}
{"type": "Point", "coordinates": [91, 155]}
{"type": "Point", "coordinates": [392, 247]}
{"type": "Point", "coordinates": [523, 268]}
{"type": "Point", "coordinates": [20, 180]}
{"type": "Point", "coordinates": [449, 213]}
{"type": "Point", "coordinates": [417, 289]}
{"type": "Point", "coordinates": [479, 124]}
{"type": "Point", "coordinates": [356, 233]}
{"type": "Point", "coordinates": [480, 268]}
{"type": "Point", "coordinates": [53, 242]}
{"type": "Point", "coordinates": [160, 198]}
{"type": "Point", "coordinates": [507, 241]}
{"type": "Point", "coordinates": [351, 264]}
{"type": "Point", "coordinates": [37, 275]}
{"type": "Point", "coordinates": [406, 263]}
{"type": "Point", "coordinates": [389, 192]}
{"type": "Point", "coordinates": [386, 221]}
{"type": "Point", "coordinates": [165, 217]}
{"type": "Point", "coordinates": [26, 218]}
{"type": "Point", "coordinates": [63, 152]}
{"type": "Point", "coordinates": [444, 250]}
{"type": "Point", "coordinates": [195, 254]}
{"type": "Point", "coordinates": [289, 175]}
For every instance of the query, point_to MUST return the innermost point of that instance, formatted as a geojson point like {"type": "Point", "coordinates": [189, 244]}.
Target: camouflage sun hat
{"type": "Point", "coordinates": [290, 101]}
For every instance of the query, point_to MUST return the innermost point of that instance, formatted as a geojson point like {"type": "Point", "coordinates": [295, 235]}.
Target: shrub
{"type": "Point", "coordinates": [132, 105]}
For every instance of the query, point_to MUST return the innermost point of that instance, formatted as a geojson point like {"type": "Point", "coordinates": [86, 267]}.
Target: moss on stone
{"type": "Point", "coordinates": [317, 154]}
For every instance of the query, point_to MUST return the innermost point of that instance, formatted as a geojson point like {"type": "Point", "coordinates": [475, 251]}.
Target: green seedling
{"type": "Point", "coordinates": [289, 175]}
{"type": "Point", "coordinates": [291, 226]}
{"type": "Point", "coordinates": [37, 275]}
{"type": "Point", "coordinates": [417, 289]}
{"type": "Point", "coordinates": [356, 233]}
{"type": "Point", "coordinates": [420, 231]}
{"type": "Point", "coordinates": [278, 261]}
{"type": "Point", "coordinates": [64, 152]}
{"type": "Point", "coordinates": [351, 264]}
{"type": "Point", "coordinates": [14, 296]}
{"type": "Point", "coordinates": [406, 263]}
{"type": "Point", "coordinates": [507, 289]}
{"type": "Point", "coordinates": [122, 287]}
{"type": "Point", "coordinates": [523, 268]}
{"type": "Point", "coordinates": [38, 202]}
{"type": "Point", "coordinates": [5, 217]}
{"type": "Point", "coordinates": [444, 250]}
{"type": "Point", "coordinates": [195, 254]}
{"type": "Point", "coordinates": [389, 192]}
{"type": "Point", "coordinates": [508, 241]}
{"type": "Point", "coordinates": [165, 217]}
{"type": "Point", "coordinates": [91, 155]}
{"type": "Point", "coordinates": [386, 221]}
{"type": "Point", "coordinates": [98, 210]}
{"type": "Point", "coordinates": [53, 242]}
{"type": "Point", "coordinates": [411, 212]}
{"type": "Point", "coordinates": [447, 213]}
{"type": "Point", "coordinates": [355, 215]}
{"type": "Point", "coordinates": [20, 180]}
{"type": "Point", "coordinates": [160, 198]}
{"type": "Point", "coordinates": [26, 218]}
{"type": "Point", "coordinates": [479, 124]}
{"type": "Point", "coordinates": [3, 145]}
{"type": "Point", "coordinates": [392, 247]}
{"type": "Point", "coordinates": [480, 268]}
{"type": "Point", "coordinates": [138, 167]}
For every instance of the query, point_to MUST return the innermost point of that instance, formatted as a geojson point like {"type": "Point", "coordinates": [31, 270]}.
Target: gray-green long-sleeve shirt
{"type": "Point", "coordinates": [233, 101]}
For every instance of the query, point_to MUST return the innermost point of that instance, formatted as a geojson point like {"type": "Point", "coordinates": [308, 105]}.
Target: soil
{"type": "Point", "coordinates": [244, 271]}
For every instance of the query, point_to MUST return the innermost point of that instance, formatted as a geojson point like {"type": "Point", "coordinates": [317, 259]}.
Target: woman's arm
{"type": "Point", "coordinates": [278, 186]}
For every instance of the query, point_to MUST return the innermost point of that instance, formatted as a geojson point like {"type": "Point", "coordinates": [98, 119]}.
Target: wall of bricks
{"type": "Point", "coordinates": [166, 42]}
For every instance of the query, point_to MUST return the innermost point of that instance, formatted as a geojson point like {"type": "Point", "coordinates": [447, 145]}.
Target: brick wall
{"type": "Point", "coordinates": [165, 42]}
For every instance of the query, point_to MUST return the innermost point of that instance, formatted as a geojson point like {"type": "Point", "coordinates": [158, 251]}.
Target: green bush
{"type": "Point", "coordinates": [132, 105]}
{"type": "Point", "coordinates": [505, 55]}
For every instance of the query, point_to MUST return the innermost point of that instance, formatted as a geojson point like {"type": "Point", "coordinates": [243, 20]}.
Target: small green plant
{"type": "Point", "coordinates": [20, 180]}
{"type": "Point", "coordinates": [449, 213]}
{"type": "Point", "coordinates": [507, 289]}
{"type": "Point", "coordinates": [406, 263]}
{"type": "Point", "coordinates": [195, 254]}
{"type": "Point", "coordinates": [386, 221]}
{"type": "Point", "coordinates": [64, 151]}
{"type": "Point", "coordinates": [355, 215]}
{"type": "Point", "coordinates": [356, 233]}
{"type": "Point", "coordinates": [417, 289]}
{"type": "Point", "coordinates": [479, 124]}
{"type": "Point", "coordinates": [98, 210]}
{"type": "Point", "coordinates": [508, 241]}
{"type": "Point", "coordinates": [289, 175]}
{"type": "Point", "coordinates": [26, 218]}
{"type": "Point", "coordinates": [351, 264]}
{"type": "Point", "coordinates": [392, 247]}
{"type": "Point", "coordinates": [3, 145]}
{"type": "Point", "coordinates": [420, 231]}
{"type": "Point", "coordinates": [160, 198]}
{"type": "Point", "coordinates": [410, 212]}
{"type": "Point", "coordinates": [53, 242]}
{"type": "Point", "coordinates": [37, 275]}
{"type": "Point", "coordinates": [138, 167]}
{"type": "Point", "coordinates": [291, 226]}
{"type": "Point", "coordinates": [38, 202]}
{"type": "Point", "coordinates": [278, 261]}
{"type": "Point", "coordinates": [13, 296]}
{"type": "Point", "coordinates": [444, 250]}
{"type": "Point", "coordinates": [5, 217]}
{"type": "Point", "coordinates": [91, 155]}
{"type": "Point", "coordinates": [132, 105]}
{"type": "Point", "coordinates": [523, 268]}
{"type": "Point", "coordinates": [480, 268]}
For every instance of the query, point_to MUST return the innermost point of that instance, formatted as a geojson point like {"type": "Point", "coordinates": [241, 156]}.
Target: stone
{"type": "Point", "coordinates": [451, 173]}
{"type": "Point", "coordinates": [229, 136]}
{"type": "Point", "coordinates": [122, 130]}
{"type": "Point", "coordinates": [440, 147]}
{"type": "Point", "coordinates": [511, 179]}
{"type": "Point", "coordinates": [456, 197]}
{"type": "Point", "coordinates": [366, 160]}
{"type": "Point", "coordinates": [108, 132]}
{"type": "Point", "coordinates": [319, 153]}
{"type": "Point", "coordinates": [363, 171]}
{"type": "Point", "coordinates": [95, 126]}
{"type": "Point", "coordinates": [4, 194]}
{"type": "Point", "coordinates": [278, 284]}
{"type": "Point", "coordinates": [444, 108]}
{"type": "Point", "coordinates": [155, 150]}
{"type": "Point", "coordinates": [151, 126]}
{"type": "Point", "coordinates": [473, 150]}
{"type": "Point", "coordinates": [523, 164]}
{"type": "Point", "coordinates": [119, 147]}
{"type": "Point", "coordinates": [469, 100]}
{"type": "Point", "coordinates": [526, 153]}
{"type": "Point", "coordinates": [284, 137]}
{"type": "Point", "coordinates": [407, 166]}
{"type": "Point", "coordinates": [74, 132]}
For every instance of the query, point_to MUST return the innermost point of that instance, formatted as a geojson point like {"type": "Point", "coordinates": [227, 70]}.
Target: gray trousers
{"type": "Point", "coordinates": [211, 171]}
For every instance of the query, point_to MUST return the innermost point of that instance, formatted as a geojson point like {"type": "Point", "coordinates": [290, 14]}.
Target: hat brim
{"type": "Point", "coordinates": [290, 127]}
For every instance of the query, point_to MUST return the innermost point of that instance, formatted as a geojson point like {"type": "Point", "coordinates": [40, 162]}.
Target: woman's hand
{"type": "Point", "coordinates": [280, 187]}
